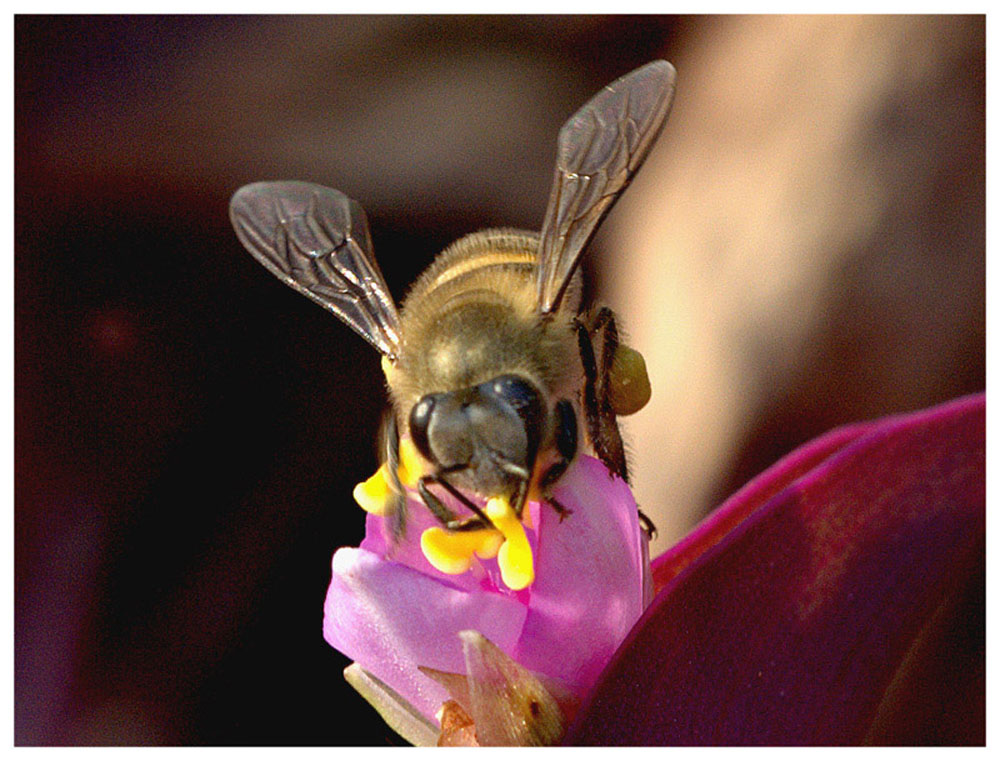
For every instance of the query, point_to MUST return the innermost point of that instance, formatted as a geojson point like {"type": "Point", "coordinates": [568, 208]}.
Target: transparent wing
{"type": "Point", "coordinates": [316, 240]}
{"type": "Point", "coordinates": [600, 149]}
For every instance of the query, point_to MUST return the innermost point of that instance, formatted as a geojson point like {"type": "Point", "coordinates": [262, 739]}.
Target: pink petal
{"type": "Point", "coordinates": [390, 611]}
{"type": "Point", "coordinates": [406, 551]}
{"type": "Point", "coordinates": [390, 619]}
{"type": "Point", "coordinates": [847, 607]}
{"type": "Point", "coordinates": [588, 590]}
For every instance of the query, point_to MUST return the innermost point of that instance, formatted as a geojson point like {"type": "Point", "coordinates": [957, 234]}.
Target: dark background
{"type": "Point", "coordinates": [188, 431]}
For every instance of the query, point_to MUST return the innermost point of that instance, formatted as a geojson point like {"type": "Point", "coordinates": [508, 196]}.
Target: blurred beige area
{"type": "Point", "coordinates": [805, 247]}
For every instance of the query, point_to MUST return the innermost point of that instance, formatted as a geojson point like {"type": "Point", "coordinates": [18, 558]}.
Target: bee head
{"type": "Point", "coordinates": [491, 431]}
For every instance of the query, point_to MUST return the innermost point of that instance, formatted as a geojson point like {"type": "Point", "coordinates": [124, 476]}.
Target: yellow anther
{"type": "Point", "coordinates": [451, 551]}
{"type": "Point", "coordinates": [373, 494]}
{"type": "Point", "coordinates": [491, 544]}
{"type": "Point", "coordinates": [410, 464]}
{"type": "Point", "coordinates": [517, 567]}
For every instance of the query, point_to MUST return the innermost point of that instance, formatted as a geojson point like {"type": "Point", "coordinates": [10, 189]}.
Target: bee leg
{"type": "Point", "coordinates": [548, 479]}
{"type": "Point", "coordinates": [647, 525]}
{"type": "Point", "coordinates": [607, 327]}
{"type": "Point", "coordinates": [566, 444]}
{"type": "Point", "coordinates": [436, 506]}
{"type": "Point", "coordinates": [520, 499]}
{"type": "Point", "coordinates": [602, 425]}
{"type": "Point", "coordinates": [390, 452]}
{"type": "Point", "coordinates": [446, 516]}
{"type": "Point", "coordinates": [604, 420]}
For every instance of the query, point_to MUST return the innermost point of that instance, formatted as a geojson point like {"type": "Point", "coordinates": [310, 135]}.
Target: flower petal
{"type": "Point", "coordinates": [813, 621]}
{"type": "Point", "coordinates": [590, 570]}
{"type": "Point", "coordinates": [392, 619]}
{"type": "Point", "coordinates": [407, 550]}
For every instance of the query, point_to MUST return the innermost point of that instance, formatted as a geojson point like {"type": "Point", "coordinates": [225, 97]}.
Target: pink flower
{"type": "Point", "coordinates": [393, 613]}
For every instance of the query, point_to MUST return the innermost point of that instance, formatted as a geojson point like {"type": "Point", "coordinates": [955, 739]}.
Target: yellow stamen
{"type": "Point", "coordinates": [491, 544]}
{"type": "Point", "coordinates": [517, 567]}
{"type": "Point", "coordinates": [373, 494]}
{"type": "Point", "coordinates": [410, 463]}
{"type": "Point", "coordinates": [451, 551]}
{"type": "Point", "coordinates": [387, 368]}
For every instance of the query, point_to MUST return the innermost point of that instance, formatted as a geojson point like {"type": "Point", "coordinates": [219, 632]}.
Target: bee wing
{"type": "Point", "coordinates": [316, 240]}
{"type": "Point", "coordinates": [600, 149]}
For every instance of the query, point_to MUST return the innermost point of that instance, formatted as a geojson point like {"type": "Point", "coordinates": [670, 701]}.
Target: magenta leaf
{"type": "Point", "coordinates": [837, 599]}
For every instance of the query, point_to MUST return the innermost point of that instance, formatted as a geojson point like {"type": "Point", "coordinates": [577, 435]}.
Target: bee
{"type": "Point", "coordinates": [493, 360]}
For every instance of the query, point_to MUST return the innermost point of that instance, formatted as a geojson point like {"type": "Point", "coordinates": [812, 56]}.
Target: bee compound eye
{"type": "Point", "coordinates": [520, 395]}
{"type": "Point", "coordinates": [514, 390]}
{"type": "Point", "coordinates": [420, 418]}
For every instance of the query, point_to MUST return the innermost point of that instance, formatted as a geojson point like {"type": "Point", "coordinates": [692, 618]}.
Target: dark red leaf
{"type": "Point", "coordinates": [838, 599]}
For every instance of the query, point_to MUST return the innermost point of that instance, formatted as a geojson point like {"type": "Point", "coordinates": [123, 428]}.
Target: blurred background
{"type": "Point", "coordinates": [805, 247]}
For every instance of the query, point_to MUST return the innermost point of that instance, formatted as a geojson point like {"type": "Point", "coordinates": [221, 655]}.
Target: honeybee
{"type": "Point", "coordinates": [493, 359]}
